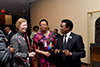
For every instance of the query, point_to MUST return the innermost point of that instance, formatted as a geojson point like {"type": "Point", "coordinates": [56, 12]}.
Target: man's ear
{"type": "Point", "coordinates": [68, 28]}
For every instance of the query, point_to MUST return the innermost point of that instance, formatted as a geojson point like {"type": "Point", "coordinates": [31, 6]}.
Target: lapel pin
{"type": "Point", "coordinates": [70, 37]}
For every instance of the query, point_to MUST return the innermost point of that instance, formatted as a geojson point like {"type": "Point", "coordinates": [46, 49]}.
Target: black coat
{"type": "Point", "coordinates": [5, 54]}
{"type": "Point", "coordinates": [74, 45]}
{"type": "Point", "coordinates": [57, 35]}
{"type": "Point", "coordinates": [9, 38]}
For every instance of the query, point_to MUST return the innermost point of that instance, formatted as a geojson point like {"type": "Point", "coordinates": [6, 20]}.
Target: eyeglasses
{"type": "Point", "coordinates": [43, 25]}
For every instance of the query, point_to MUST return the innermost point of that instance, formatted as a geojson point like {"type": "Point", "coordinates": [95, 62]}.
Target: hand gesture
{"type": "Point", "coordinates": [67, 53]}
{"type": "Point", "coordinates": [56, 51]}
{"type": "Point", "coordinates": [32, 54]}
{"type": "Point", "coordinates": [47, 54]}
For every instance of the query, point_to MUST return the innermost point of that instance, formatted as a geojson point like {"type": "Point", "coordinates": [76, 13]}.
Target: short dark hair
{"type": "Point", "coordinates": [35, 27]}
{"type": "Point", "coordinates": [43, 20]}
{"type": "Point", "coordinates": [56, 29]}
{"type": "Point", "coordinates": [68, 23]}
{"type": "Point", "coordinates": [48, 28]}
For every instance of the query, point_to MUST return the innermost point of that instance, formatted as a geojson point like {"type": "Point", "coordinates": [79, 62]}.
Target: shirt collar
{"type": "Point", "coordinates": [9, 32]}
{"type": "Point", "coordinates": [68, 34]}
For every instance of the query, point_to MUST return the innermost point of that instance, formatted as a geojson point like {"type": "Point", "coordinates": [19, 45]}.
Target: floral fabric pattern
{"type": "Point", "coordinates": [40, 42]}
{"type": "Point", "coordinates": [31, 37]}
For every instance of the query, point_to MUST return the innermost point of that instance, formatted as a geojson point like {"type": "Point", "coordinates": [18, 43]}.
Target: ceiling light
{"type": "Point", "coordinates": [9, 13]}
{"type": "Point", "coordinates": [23, 10]}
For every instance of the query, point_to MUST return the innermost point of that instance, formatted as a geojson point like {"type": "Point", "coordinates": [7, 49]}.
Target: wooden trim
{"type": "Point", "coordinates": [86, 64]}
{"type": "Point", "coordinates": [93, 12]}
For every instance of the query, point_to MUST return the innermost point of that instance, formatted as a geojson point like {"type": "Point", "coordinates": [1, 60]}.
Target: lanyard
{"type": "Point", "coordinates": [43, 35]}
{"type": "Point", "coordinates": [45, 43]}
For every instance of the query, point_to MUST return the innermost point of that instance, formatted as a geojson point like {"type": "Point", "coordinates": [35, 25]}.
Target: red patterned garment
{"type": "Point", "coordinates": [44, 43]}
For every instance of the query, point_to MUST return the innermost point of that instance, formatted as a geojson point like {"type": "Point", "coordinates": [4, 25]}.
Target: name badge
{"type": "Point", "coordinates": [45, 44]}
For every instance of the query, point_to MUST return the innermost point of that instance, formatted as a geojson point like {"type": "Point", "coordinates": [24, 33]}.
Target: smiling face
{"type": "Point", "coordinates": [23, 27]}
{"type": "Point", "coordinates": [43, 26]}
{"type": "Point", "coordinates": [63, 28]}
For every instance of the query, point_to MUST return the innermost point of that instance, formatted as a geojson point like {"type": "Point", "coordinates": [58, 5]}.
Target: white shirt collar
{"type": "Point", "coordinates": [9, 32]}
{"type": "Point", "coordinates": [68, 34]}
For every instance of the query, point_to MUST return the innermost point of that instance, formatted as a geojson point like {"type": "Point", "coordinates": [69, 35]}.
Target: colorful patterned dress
{"type": "Point", "coordinates": [31, 37]}
{"type": "Point", "coordinates": [44, 43]}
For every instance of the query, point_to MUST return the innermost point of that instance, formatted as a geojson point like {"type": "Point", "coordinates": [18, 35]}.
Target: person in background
{"type": "Point", "coordinates": [35, 30]}
{"type": "Point", "coordinates": [8, 35]}
{"type": "Point", "coordinates": [23, 56]}
{"type": "Point", "coordinates": [44, 43]}
{"type": "Point", "coordinates": [56, 33]}
{"type": "Point", "coordinates": [5, 53]}
{"type": "Point", "coordinates": [48, 28]}
{"type": "Point", "coordinates": [70, 46]}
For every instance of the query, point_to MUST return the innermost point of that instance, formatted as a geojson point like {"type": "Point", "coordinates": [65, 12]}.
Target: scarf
{"type": "Point", "coordinates": [32, 62]}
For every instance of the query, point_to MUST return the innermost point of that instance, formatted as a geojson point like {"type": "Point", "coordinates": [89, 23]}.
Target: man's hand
{"type": "Point", "coordinates": [67, 53]}
{"type": "Point", "coordinates": [12, 50]}
{"type": "Point", "coordinates": [56, 51]}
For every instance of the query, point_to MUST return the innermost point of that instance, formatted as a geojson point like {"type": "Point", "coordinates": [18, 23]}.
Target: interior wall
{"type": "Point", "coordinates": [56, 10]}
{"type": "Point", "coordinates": [8, 19]}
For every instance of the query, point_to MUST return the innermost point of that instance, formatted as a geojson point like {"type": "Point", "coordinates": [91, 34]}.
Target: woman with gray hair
{"type": "Point", "coordinates": [23, 56]}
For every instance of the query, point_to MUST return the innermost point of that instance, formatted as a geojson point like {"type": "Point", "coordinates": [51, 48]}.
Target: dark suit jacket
{"type": "Point", "coordinates": [74, 45]}
{"type": "Point", "coordinates": [9, 38]}
{"type": "Point", "coordinates": [5, 54]}
{"type": "Point", "coordinates": [57, 35]}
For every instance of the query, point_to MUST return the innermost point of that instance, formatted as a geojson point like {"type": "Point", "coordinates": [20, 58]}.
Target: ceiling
{"type": "Point", "coordinates": [15, 7]}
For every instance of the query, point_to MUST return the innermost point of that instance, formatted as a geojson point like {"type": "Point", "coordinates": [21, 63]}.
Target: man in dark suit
{"type": "Point", "coordinates": [5, 53]}
{"type": "Point", "coordinates": [70, 47]}
{"type": "Point", "coordinates": [8, 35]}
{"type": "Point", "coordinates": [56, 33]}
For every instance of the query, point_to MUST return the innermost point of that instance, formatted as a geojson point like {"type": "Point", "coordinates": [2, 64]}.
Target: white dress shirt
{"type": "Point", "coordinates": [68, 34]}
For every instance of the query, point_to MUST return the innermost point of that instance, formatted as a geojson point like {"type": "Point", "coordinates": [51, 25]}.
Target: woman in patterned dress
{"type": "Point", "coordinates": [44, 44]}
{"type": "Point", "coordinates": [35, 30]}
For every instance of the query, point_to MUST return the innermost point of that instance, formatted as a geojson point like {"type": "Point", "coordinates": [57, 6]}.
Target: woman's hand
{"type": "Point", "coordinates": [32, 54]}
{"type": "Point", "coordinates": [47, 53]}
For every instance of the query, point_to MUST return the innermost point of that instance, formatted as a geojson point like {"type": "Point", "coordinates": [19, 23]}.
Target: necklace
{"type": "Point", "coordinates": [46, 34]}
